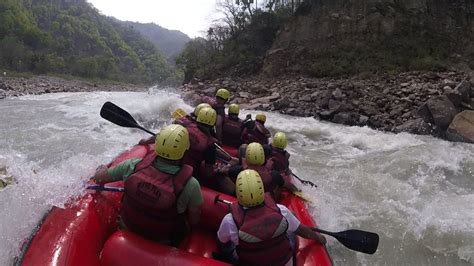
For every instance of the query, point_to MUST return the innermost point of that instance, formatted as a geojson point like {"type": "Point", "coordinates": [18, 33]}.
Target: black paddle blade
{"type": "Point", "coordinates": [306, 182]}
{"type": "Point", "coordinates": [362, 241]}
{"type": "Point", "coordinates": [117, 115]}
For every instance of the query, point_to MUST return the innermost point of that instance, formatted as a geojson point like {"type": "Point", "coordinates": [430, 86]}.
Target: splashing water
{"type": "Point", "coordinates": [416, 192]}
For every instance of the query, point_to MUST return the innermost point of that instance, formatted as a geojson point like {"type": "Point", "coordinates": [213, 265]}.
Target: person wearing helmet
{"type": "Point", "coordinates": [255, 160]}
{"type": "Point", "coordinates": [255, 131]}
{"type": "Point", "coordinates": [218, 103]}
{"type": "Point", "coordinates": [161, 196]}
{"type": "Point", "coordinates": [279, 159]}
{"type": "Point", "coordinates": [257, 231]}
{"type": "Point", "coordinates": [203, 153]}
{"type": "Point", "coordinates": [184, 120]}
{"type": "Point", "coordinates": [231, 127]}
{"type": "Point", "coordinates": [279, 156]}
{"type": "Point", "coordinates": [191, 117]}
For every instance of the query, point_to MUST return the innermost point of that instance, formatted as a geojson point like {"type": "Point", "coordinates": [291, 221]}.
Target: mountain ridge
{"type": "Point", "coordinates": [170, 42]}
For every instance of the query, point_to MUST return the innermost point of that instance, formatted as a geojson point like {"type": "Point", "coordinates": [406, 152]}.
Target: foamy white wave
{"type": "Point", "coordinates": [416, 192]}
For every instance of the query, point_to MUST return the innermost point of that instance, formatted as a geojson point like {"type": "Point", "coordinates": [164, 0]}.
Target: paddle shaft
{"type": "Point", "coordinates": [324, 232]}
{"type": "Point", "coordinates": [218, 199]}
{"type": "Point", "coordinates": [111, 189]}
{"type": "Point", "coordinates": [146, 130]}
{"type": "Point", "coordinates": [304, 181]}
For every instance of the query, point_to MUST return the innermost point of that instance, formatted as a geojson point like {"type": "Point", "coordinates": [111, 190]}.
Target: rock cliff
{"type": "Point", "coordinates": [333, 37]}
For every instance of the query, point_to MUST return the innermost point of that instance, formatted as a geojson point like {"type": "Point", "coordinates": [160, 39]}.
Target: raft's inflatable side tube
{"type": "Point", "coordinates": [124, 249]}
{"type": "Point", "coordinates": [83, 233]}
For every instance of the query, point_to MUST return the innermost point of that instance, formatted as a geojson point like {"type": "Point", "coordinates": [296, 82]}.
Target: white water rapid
{"type": "Point", "coordinates": [416, 192]}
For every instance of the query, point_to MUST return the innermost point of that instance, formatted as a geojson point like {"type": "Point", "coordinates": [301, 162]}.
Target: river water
{"type": "Point", "coordinates": [416, 192]}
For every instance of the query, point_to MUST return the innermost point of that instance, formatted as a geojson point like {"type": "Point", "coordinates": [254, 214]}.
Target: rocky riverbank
{"type": "Point", "coordinates": [415, 102]}
{"type": "Point", "coordinates": [12, 86]}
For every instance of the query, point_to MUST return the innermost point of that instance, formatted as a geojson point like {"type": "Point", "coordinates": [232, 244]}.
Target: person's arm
{"type": "Point", "coordinates": [306, 232]}
{"type": "Point", "coordinates": [223, 155]}
{"type": "Point", "coordinates": [210, 160]}
{"type": "Point", "coordinates": [295, 226]}
{"type": "Point", "coordinates": [227, 238]}
{"type": "Point", "coordinates": [277, 178]}
{"type": "Point", "coordinates": [219, 122]}
{"type": "Point", "coordinates": [234, 171]}
{"type": "Point", "coordinates": [116, 173]}
{"type": "Point", "coordinates": [190, 201]}
{"type": "Point", "coordinates": [194, 215]}
{"type": "Point", "coordinates": [267, 133]}
{"type": "Point", "coordinates": [291, 187]}
{"type": "Point", "coordinates": [102, 176]}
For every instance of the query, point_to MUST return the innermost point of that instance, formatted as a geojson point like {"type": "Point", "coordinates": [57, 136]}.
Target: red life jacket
{"type": "Point", "coordinates": [231, 132]}
{"type": "Point", "coordinates": [279, 159]}
{"type": "Point", "coordinates": [149, 202]}
{"type": "Point", "coordinates": [199, 143]}
{"type": "Point", "coordinates": [185, 121]}
{"type": "Point", "coordinates": [209, 100]}
{"type": "Point", "coordinates": [262, 234]}
{"type": "Point", "coordinates": [215, 104]}
{"type": "Point", "coordinates": [265, 173]}
{"type": "Point", "coordinates": [258, 134]}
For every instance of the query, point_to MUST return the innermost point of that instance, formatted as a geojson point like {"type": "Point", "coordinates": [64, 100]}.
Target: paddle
{"type": "Point", "coordinates": [358, 240]}
{"type": "Point", "coordinates": [101, 188]}
{"type": "Point", "coordinates": [118, 116]}
{"type": "Point", "coordinates": [305, 182]}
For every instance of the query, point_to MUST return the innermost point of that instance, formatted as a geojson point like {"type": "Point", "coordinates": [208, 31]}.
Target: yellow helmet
{"type": "Point", "coordinates": [207, 116]}
{"type": "Point", "coordinates": [172, 142]}
{"type": "Point", "coordinates": [254, 154]}
{"type": "Point", "coordinates": [261, 118]}
{"type": "Point", "coordinates": [249, 188]}
{"type": "Point", "coordinates": [199, 107]}
{"type": "Point", "coordinates": [223, 93]}
{"type": "Point", "coordinates": [280, 141]}
{"type": "Point", "coordinates": [234, 109]}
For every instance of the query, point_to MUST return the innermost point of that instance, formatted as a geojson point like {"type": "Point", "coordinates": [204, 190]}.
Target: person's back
{"type": "Point", "coordinates": [201, 142]}
{"type": "Point", "coordinates": [279, 157]}
{"type": "Point", "coordinates": [255, 131]}
{"type": "Point", "coordinates": [255, 160]}
{"type": "Point", "coordinates": [218, 104]}
{"type": "Point", "coordinates": [262, 234]}
{"type": "Point", "coordinates": [231, 127]}
{"type": "Point", "coordinates": [257, 228]}
{"type": "Point", "coordinates": [189, 119]}
{"type": "Point", "coordinates": [149, 205]}
{"type": "Point", "coordinates": [160, 192]}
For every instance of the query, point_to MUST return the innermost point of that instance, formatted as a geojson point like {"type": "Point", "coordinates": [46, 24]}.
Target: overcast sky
{"type": "Point", "coordinates": [189, 16]}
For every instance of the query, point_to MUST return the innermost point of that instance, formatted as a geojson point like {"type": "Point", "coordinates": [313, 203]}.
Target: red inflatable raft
{"type": "Point", "coordinates": [85, 233]}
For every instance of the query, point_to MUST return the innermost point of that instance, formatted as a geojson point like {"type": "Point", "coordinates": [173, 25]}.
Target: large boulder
{"type": "Point", "coordinates": [442, 110]}
{"type": "Point", "coordinates": [346, 118]}
{"type": "Point", "coordinates": [266, 99]}
{"type": "Point", "coordinates": [416, 126]}
{"type": "Point", "coordinates": [460, 94]}
{"type": "Point", "coordinates": [462, 127]}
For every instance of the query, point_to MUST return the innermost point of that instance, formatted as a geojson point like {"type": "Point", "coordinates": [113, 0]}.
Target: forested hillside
{"type": "Point", "coordinates": [71, 37]}
{"type": "Point", "coordinates": [170, 42]}
{"type": "Point", "coordinates": [321, 38]}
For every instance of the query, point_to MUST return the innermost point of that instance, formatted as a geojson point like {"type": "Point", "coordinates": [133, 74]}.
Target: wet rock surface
{"type": "Point", "coordinates": [462, 127]}
{"type": "Point", "coordinates": [415, 102]}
